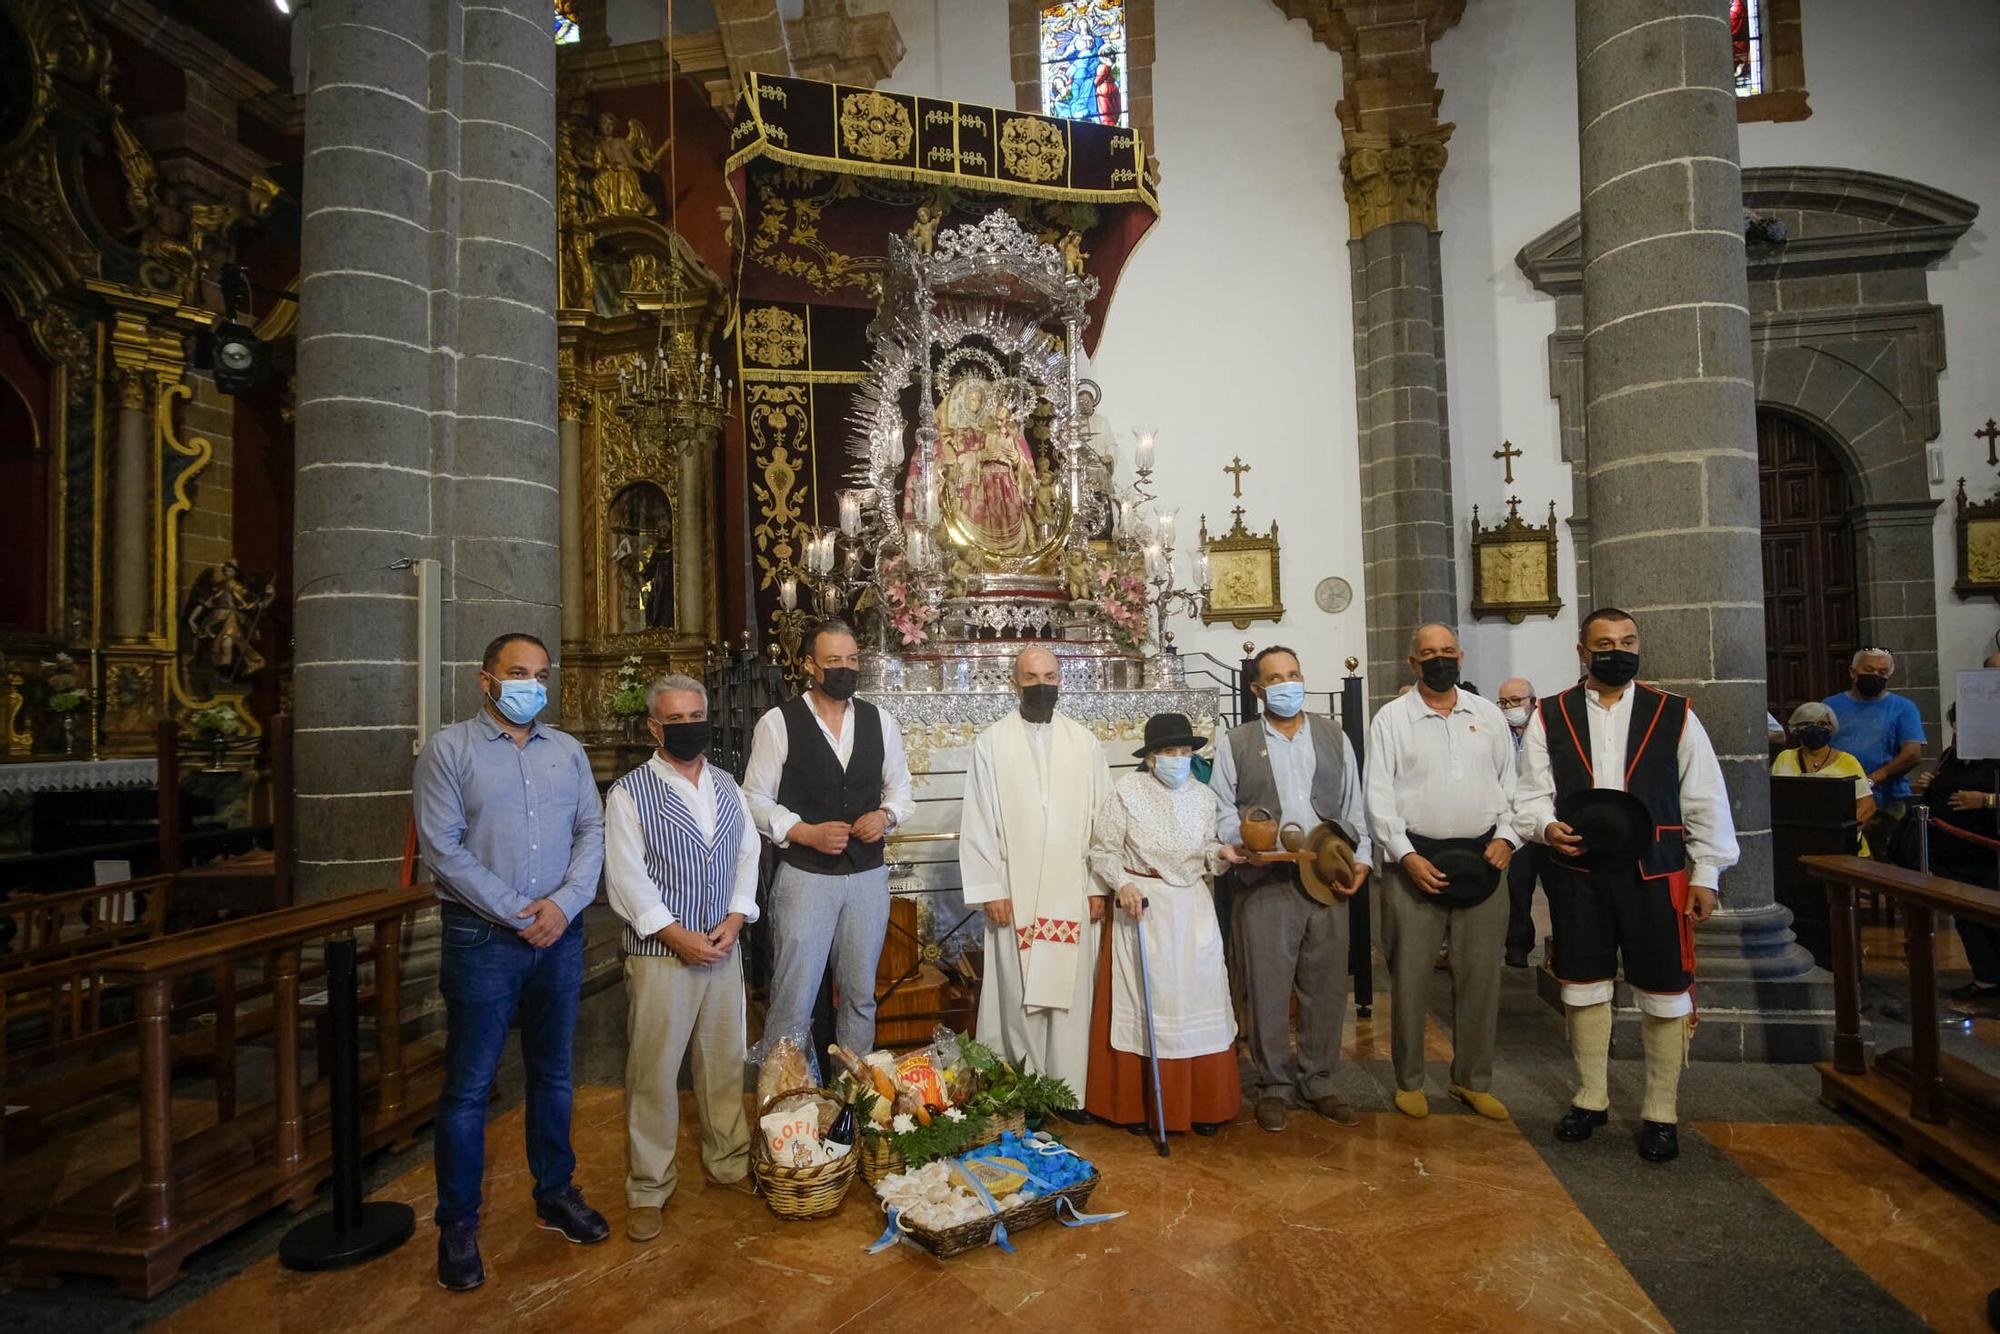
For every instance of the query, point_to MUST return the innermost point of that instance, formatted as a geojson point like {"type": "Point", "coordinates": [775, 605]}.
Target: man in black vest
{"type": "Point", "coordinates": [1613, 732]}
{"type": "Point", "coordinates": [1299, 767]}
{"type": "Point", "coordinates": [827, 781]}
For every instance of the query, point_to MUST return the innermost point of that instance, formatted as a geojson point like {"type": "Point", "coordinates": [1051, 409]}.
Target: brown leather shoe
{"type": "Point", "coordinates": [642, 1223]}
{"type": "Point", "coordinates": [1335, 1109]}
{"type": "Point", "coordinates": [1271, 1113]}
{"type": "Point", "coordinates": [743, 1185]}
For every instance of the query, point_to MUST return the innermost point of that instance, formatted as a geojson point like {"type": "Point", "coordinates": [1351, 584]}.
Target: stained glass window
{"type": "Point", "coordinates": [566, 29]}
{"type": "Point", "coordinates": [1746, 40]}
{"type": "Point", "coordinates": [1083, 61]}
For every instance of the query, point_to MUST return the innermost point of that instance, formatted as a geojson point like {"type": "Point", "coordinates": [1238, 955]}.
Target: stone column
{"type": "Point", "coordinates": [426, 389]}
{"type": "Point", "coordinates": [1395, 153]}
{"type": "Point", "coordinates": [131, 510]}
{"type": "Point", "coordinates": [570, 443]}
{"type": "Point", "coordinates": [1671, 431]}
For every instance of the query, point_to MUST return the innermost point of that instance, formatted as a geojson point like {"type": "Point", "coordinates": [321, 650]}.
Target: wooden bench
{"type": "Point", "coordinates": [1938, 1109]}
{"type": "Point", "coordinates": [136, 1225]}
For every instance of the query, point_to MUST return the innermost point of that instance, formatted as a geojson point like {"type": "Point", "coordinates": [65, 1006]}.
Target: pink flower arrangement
{"type": "Point", "coordinates": [909, 614]}
{"type": "Point", "coordinates": [1120, 593]}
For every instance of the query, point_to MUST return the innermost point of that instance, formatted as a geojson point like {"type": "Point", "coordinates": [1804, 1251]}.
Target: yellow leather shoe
{"type": "Point", "coordinates": [642, 1223]}
{"type": "Point", "coordinates": [1485, 1104]}
{"type": "Point", "coordinates": [1413, 1103]}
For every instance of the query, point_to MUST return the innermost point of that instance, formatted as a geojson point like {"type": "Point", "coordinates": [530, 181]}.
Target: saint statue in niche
{"type": "Point", "coordinates": [642, 554]}
{"type": "Point", "coordinates": [619, 163]}
{"type": "Point", "coordinates": [986, 471]}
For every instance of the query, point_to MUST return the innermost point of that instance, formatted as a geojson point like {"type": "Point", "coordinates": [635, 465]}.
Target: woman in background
{"type": "Point", "coordinates": [1961, 793]}
{"type": "Point", "coordinates": [1812, 755]}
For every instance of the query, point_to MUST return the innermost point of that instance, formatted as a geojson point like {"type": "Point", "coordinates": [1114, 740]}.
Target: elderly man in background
{"type": "Point", "coordinates": [1517, 706]}
{"type": "Point", "coordinates": [680, 869]}
{"type": "Point", "coordinates": [1031, 795]}
{"type": "Point", "coordinates": [509, 822]}
{"type": "Point", "coordinates": [1881, 729]}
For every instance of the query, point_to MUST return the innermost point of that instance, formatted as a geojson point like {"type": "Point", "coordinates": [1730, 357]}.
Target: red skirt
{"type": "Point", "coordinates": [1120, 1089]}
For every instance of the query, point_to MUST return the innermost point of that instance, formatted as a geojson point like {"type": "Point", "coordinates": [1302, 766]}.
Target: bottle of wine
{"type": "Point", "coordinates": [842, 1129]}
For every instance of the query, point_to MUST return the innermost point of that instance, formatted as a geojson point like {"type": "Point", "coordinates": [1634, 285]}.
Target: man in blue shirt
{"type": "Point", "coordinates": [513, 833]}
{"type": "Point", "coordinates": [1883, 731]}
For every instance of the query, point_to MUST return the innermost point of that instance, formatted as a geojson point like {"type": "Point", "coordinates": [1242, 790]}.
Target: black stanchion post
{"type": "Point", "coordinates": [354, 1230]}
{"type": "Point", "coordinates": [1360, 929]}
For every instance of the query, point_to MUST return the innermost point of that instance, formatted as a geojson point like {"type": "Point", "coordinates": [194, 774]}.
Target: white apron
{"type": "Point", "coordinates": [1191, 1011]}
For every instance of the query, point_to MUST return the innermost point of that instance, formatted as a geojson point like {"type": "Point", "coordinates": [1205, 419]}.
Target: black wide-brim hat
{"type": "Point", "coordinates": [1469, 877]}
{"type": "Point", "coordinates": [1169, 729]}
{"type": "Point", "coordinates": [1616, 828]}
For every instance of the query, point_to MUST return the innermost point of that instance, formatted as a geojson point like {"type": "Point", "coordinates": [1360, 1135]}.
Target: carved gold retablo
{"type": "Point", "coordinates": [1393, 179]}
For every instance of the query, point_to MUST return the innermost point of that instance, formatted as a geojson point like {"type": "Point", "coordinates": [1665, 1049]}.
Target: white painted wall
{"type": "Point", "coordinates": [1230, 331]}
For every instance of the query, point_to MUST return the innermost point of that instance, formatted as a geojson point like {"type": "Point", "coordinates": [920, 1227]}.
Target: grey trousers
{"type": "Point", "coordinates": [1284, 942]}
{"type": "Point", "coordinates": [814, 916]}
{"type": "Point", "coordinates": [1414, 924]}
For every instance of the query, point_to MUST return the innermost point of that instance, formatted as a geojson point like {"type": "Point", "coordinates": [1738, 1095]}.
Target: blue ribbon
{"type": "Point", "coordinates": [890, 1234]}
{"type": "Point", "coordinates": [999, 1228]}
{"type": "Point", "coordinates": [1077, 1219]}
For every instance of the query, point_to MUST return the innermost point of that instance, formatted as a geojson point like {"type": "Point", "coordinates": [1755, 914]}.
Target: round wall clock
{"type": "Point", "coordinates": [1333, 594]}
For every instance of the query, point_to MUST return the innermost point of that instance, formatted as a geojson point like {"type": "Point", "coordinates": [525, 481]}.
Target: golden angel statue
{"type": "Point", "coordinates": [619, 164]}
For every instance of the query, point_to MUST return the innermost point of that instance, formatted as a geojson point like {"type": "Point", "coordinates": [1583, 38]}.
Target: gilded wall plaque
{"type": "Point", "coordinates": [1514, 567]}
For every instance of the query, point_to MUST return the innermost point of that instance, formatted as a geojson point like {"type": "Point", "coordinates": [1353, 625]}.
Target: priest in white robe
{"type": "Point", "coordinates": [1036, 781]}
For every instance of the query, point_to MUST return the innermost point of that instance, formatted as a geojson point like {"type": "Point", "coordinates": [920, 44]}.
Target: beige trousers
{"type": "Point", "coordinates": [677, 1011]}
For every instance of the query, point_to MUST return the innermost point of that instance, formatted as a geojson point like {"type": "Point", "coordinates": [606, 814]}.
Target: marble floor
{"type": "Point", "coordinates": [1780, 1214]}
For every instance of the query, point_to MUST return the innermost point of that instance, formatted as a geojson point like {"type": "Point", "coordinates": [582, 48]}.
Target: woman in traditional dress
{"type": "Point", "coordinates": [1154, 848]}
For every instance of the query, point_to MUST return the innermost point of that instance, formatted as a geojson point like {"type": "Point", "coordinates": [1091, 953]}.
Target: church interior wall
{"type": "Point", "coordinates": [1230, 332]}
{"type": "Point", "coordinates": [1887, 94]}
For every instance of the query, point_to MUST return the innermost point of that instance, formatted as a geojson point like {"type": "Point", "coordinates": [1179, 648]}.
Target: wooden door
{"type": "Point", "coordinates": [1811, 619]}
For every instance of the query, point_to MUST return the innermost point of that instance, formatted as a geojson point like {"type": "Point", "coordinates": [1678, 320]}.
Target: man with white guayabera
{"type": "Point", "coordinates": [1031, 794]}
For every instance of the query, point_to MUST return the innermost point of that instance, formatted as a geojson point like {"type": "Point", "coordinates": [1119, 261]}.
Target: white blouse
{"type": "Point", "coordinates": [1147, 826]}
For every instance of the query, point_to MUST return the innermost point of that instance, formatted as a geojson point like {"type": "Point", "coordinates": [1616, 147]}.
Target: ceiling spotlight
{"type": "Point", "coordinates": [284, 6]}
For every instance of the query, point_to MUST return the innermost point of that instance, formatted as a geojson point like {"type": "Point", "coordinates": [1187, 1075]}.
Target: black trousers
{"type": "Point", "coordinates": [1604, 918]}
{"type": "Point", "coordinates": [1521, 875]}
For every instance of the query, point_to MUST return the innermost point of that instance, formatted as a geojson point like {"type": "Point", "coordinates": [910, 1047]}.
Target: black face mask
{"type": "Point", "coordinates": [1439, 674]}
{"type": "Point", "coordinates": [1614, 667]}
{"type": "Point", "coordinates": [838, 682]}
{"type": "Point", "coordinates": [1868, 685]}
{"type": "Point", "coordinates": [684, 741]}
{"type": "Point", "coordinates": [1814, 736]}
{"type": "Point", "coordinates": [1038, 703]}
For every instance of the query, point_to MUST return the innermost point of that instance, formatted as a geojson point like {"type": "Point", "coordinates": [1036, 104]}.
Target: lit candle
{"type": "Point", "coordinates": [1142, 451]}
{"type": "Point", "coordinates": [1153, 557]}
{"type": "Point", "coordinates": [788, 593]}
{"type": "Point", "coordinates": [1166, 527]}
{"type": "Point", "coordinates": [917, 548]}
{"type": "Point", "coordinates": [850, 513]}
{"type": "Point", "coordinates": [1201, 571]}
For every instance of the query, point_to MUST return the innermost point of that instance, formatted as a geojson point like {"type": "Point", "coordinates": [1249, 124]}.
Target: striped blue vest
{"type": "Point", "coordinates": [694, 877]}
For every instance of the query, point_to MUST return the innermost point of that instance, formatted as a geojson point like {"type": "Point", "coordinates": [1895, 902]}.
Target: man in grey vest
{"type": "Point", "coordinates": [1299, 767]}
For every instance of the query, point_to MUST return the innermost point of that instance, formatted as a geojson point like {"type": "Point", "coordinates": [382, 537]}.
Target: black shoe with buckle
{"type": "Point", "coordinates": [565, 1212]}
{"type": "Point", "coordinates": [459, 1267]}
{"type": "Point", "coordinates": [1578, 1123]}
{"type": "Point", "coordinates": [1659, 1141]}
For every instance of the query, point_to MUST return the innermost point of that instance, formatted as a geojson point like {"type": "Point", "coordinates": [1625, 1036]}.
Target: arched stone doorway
{"type": "Point", "coordinates": [1812, 621]}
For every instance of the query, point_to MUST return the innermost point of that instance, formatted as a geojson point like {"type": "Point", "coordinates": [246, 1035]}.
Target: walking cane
{"type": "Point", "coordinates": [1152, 1041]}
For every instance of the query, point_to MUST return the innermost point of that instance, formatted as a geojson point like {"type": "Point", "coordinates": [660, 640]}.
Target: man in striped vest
{"type": "Point", "coordinates": [680, 867]}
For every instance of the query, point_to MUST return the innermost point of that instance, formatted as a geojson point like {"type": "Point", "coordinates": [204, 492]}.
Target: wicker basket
{"type": "Point", "coordinates": [970, 1236]}
{"type": "Point", "coordinates": [799, 1193]}
{"type": "Point", "coordinates": [879, 1157]}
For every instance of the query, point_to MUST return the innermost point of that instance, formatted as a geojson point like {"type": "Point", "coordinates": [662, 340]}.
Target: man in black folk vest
{"type": "Point", "coordinates": [1298, 767]}
{"type": "Point", "coordinates": [1629, 884]}
{"type": "Point", "coordinates": [827, 781]}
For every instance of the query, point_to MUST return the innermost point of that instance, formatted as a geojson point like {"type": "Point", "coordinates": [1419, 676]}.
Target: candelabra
{"type": "Point", "coordinates": [676, 392]}
{"type": "Point", "coordinates": [1147, 534]}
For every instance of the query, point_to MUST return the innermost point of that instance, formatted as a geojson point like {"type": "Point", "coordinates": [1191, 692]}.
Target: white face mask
{"type": "Point", "coordinates": [1517, 716]}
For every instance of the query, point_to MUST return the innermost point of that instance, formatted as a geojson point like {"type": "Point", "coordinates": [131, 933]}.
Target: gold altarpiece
{"type": "Point", "coordinates": [110, 305]}
{"type": "Point", "coordinates": [640, 491]}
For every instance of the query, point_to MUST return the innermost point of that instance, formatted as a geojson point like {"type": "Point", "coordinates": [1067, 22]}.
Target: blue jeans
{"type": "Point", "coordinates": [487, 975]}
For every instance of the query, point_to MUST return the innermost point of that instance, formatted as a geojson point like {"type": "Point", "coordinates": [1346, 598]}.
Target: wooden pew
{"type": "Point", "coordinates": [1939, 1109]}
{"type": "Point", "coordinates": [136, 1225]}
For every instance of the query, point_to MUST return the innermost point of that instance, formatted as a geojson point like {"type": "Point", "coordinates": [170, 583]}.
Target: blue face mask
{"type": "Point", "coordinates": [1172, 770]}
{"type": "Point", "coordinates": [1285, 698]}
{"type": "Point", "coordinates": [520, 701]}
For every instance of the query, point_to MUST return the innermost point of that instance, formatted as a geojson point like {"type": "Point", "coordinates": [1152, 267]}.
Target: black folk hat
{"type": "Point", "coordinates": [1616, 828]}
{"type": "Point", "coordinates": [1469, 877]}
{"type": "Point", "coordinates": [1169, 729]}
